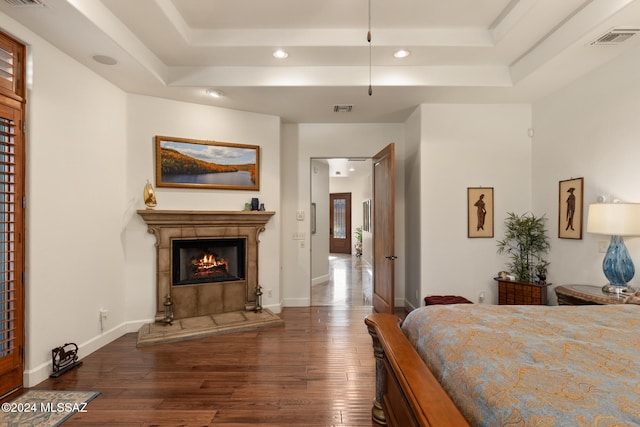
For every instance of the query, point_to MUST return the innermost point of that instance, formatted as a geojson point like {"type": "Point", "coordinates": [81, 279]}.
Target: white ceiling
{"type": "Point", "coordinates": [462, 51]}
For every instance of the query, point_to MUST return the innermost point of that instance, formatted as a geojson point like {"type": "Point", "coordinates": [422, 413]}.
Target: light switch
{"type": "Point", "coordinates": [300, 215]}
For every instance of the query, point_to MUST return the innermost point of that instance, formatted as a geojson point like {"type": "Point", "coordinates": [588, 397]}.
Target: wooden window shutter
{"type": "Point", "coordinates": [11, 68]}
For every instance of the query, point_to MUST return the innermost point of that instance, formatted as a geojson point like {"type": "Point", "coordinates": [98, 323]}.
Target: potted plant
{"type": "Point", "coordinates": [358, 245]}
{"type": "Point", "coordinates": [526, 243]}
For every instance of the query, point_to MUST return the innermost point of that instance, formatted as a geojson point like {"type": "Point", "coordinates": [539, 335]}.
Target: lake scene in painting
{"type": "Point", "coordinates": [221, 178]}
{"type": "Point", "coordinates": [207, 164]}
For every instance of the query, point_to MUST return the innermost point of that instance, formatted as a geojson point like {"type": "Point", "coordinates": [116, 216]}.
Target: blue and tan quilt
{"type": "Point", "coordinates": [534, 365]}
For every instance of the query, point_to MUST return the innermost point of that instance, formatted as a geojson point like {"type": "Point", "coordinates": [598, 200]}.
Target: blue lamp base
{"type": "Point", "coordinates": [617, 266]}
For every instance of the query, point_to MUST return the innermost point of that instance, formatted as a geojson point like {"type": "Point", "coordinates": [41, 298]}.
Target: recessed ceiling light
{"type": "Point", "coordinates": [402, 53]}
{"type": "Point", "coordinates": [280, 54]}
{"type": "Point", "coordinates": [104, 59]}
{"type": "Point", "coordinates": [214, 93]}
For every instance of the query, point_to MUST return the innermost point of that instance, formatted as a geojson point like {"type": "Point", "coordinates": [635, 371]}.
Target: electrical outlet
{"type": "Point", "coordinates": [269, 293]}
{"type": "Point", "coordinates": [104, 313]}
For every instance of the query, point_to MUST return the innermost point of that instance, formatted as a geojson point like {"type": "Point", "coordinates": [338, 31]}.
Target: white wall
{"type": "Point", "coordinates": [149, 117]}
{"type": "Point", "coordinates": [295, 271]}
{"type": "Point", "coordinates": [320, 240]}
{"type": "Point", "coordinates": [469, 146]}
{"type": "Point", "coordinates": [75, 198]}
{"type": "Point", "coordinates": [591, 130]}
{"type": "Point", "coordinates": [306, 141]}
{"type": "Point", "coordinates": [413, 216]}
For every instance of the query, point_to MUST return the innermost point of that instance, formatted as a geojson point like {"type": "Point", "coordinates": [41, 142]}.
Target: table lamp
{"type": "Point", "coordinates": [616, 220]}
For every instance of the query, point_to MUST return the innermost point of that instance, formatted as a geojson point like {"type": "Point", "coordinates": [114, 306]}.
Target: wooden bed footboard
{"type": "Point", "coordinates": [407, 393]}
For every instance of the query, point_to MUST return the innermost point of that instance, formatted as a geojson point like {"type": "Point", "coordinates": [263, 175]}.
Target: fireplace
{"type": "Point", "coordinates": [215, 254]}
{"type": "Point", "coordinates": [207, 260]}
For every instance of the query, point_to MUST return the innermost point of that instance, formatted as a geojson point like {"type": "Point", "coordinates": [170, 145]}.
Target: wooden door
{"type": "Point", "coordinates": [340, 223]}
{"type": "Point", "coordinates": [383, 230]}
{"type": "Point", "coordinates": [11, 250]}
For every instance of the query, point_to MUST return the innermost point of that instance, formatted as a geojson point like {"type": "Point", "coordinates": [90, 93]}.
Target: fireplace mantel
{"type": "Point", "coordinates": [198, 300]}
{"type": "Point", "coordinates": [170, 218]}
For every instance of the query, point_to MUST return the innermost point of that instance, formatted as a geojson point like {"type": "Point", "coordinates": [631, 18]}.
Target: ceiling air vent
{"type": "Point", "coordinates": [25, 3]}
{"type": "Point", "coordinates": [342, 108]}
{"type": "Point", "coordinates": [616, 36]}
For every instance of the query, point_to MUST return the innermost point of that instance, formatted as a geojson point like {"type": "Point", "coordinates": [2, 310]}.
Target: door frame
{"type": "Point", "coordinates": [392, 224]}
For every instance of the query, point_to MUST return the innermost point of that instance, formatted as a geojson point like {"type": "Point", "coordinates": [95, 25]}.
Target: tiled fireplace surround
{"type": "Point", "coordinates": [210, 298]}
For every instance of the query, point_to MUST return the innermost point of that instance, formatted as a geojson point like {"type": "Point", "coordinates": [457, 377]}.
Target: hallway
{"type": "Point", "coordinates": [350, 283]}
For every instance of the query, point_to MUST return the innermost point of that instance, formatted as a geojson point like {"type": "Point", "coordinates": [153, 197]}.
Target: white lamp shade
{"type": "Point", "coordinates": [614, 219]}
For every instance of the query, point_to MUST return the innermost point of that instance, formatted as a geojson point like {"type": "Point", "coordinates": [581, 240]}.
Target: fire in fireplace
{"type": "Point", "coordinates": [198, 261]}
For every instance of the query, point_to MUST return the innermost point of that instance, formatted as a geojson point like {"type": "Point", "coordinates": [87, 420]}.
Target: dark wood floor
{"type": "Point", "coordinates": [316, 370]}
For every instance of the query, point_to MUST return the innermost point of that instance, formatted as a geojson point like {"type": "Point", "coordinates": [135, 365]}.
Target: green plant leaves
{"type": "Point", "coordinates": [525, 243]}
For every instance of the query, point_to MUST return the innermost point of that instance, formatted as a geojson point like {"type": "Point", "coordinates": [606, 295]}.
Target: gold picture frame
{"type": "Point", "coordinates": [480, 215]}
{"type": "Point", "coordinates": [570, 208]}
{"type": "Point", "coordinates": [366, 215]}
{"type": "Point", "coordinates": [192, 163]}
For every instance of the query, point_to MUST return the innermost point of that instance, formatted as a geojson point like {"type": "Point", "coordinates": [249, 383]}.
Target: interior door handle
{"type": "Point", "coordinates": [391, 257]}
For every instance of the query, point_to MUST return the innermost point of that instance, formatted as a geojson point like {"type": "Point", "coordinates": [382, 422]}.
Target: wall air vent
{"type": "Point", "coordinates": [25, 3]}
{"type": "Point", "coordinates": [342, 108]}
{"type": "Point", "coordinates": [616, 36]}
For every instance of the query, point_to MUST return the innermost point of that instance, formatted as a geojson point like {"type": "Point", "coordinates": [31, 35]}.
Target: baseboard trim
{"type": "Point", "coordinates": [36, 375]}
{"type": "Point", "coordinates": [297, 302]}
{"type": "Point", "coordinates": [407, 305]}
{"type": "Point", "coordinates": [275, 308]}
{"type": "Point", "coordinates": [319, 280]}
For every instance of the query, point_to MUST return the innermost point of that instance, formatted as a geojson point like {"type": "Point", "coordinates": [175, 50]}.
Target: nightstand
{"type": "Point", "coordinates": [513, 292]}
{"type": "Point", "coordinates": [586, 295]}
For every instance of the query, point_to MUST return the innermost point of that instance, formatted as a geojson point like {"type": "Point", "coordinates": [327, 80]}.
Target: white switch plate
{"type": "Point", "coordinates": [300, 215]}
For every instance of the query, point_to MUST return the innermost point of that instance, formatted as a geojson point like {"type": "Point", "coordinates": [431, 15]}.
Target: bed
{"type": "Point", "coordinates": [490, 365]}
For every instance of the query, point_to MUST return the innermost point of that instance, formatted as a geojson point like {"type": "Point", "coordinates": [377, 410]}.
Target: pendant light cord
{"type": "Point", "coordinates": [369, 41]}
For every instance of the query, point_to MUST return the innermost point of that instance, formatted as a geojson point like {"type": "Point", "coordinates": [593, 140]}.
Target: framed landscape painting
{"type": "Point", "coordinates": [570, 208]}
{"type": "Point", "coordinates": [479, 212]}
{"type": "Point", "coordinates": [191, 163]}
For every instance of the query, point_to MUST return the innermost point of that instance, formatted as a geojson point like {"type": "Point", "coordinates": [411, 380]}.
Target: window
{"type": "Point", "coordinates": [12, 161]}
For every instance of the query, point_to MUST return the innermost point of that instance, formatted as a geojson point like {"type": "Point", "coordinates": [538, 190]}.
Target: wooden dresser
{"type": "Point", "coordinates": [513, 292]}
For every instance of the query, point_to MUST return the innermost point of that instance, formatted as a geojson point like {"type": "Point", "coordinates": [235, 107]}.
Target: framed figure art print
{"type": "Point", "coordinates": [570, 208]}
{"type": "Point", "coordinates": [480, 212]}
{"type": "Point", "coordinates": [191, 163]}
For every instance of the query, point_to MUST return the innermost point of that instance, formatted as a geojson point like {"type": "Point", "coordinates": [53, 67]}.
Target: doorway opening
{"type": "Point", "coordinates": [341, 245]}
